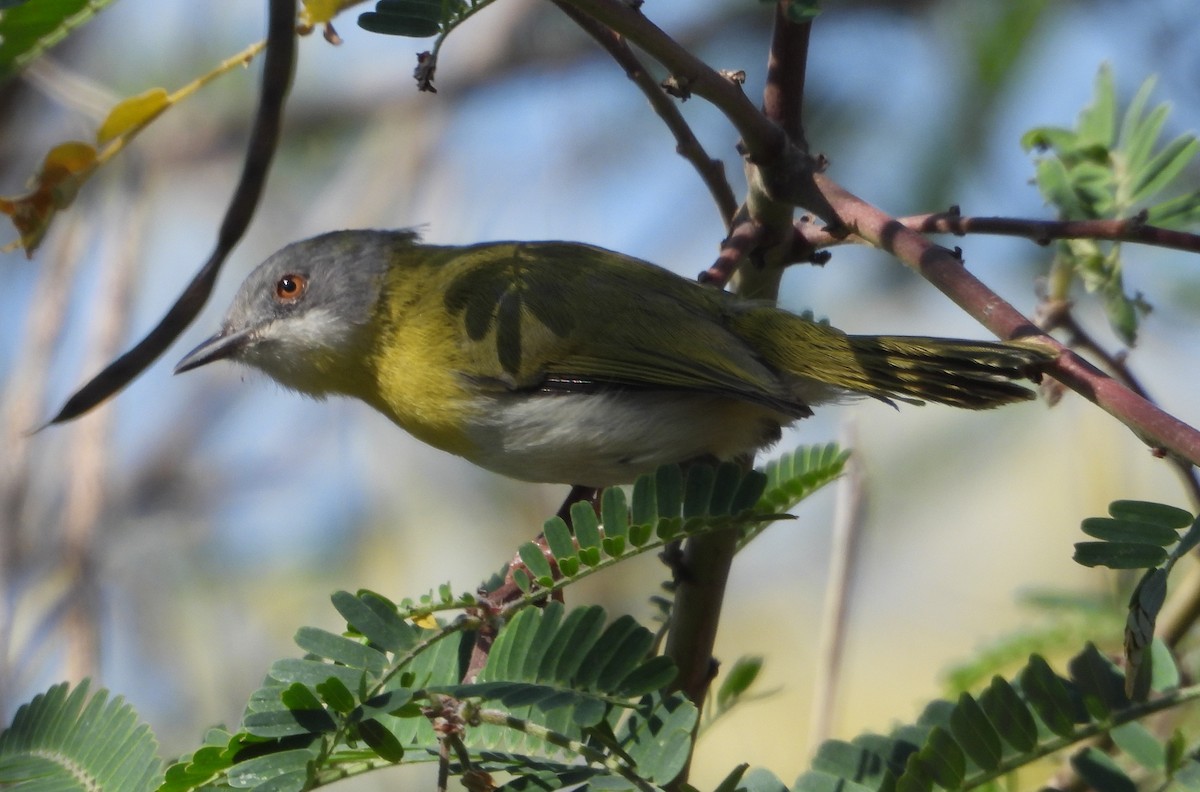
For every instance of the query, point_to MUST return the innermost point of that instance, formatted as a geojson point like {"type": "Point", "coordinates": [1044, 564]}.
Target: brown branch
{"type": "Point", "coordinates": [787, 65]}
{"type": "Point", "coordinates": [944, 270]}
{"type": "Point", "coordinates": [782, 168]}
{"type": "Point", "coordinates": [1133, 229]}
{"type": "Point", "coordinates": [712, 171]}
{"type": "Point", "coordinates": [1059, 314]}
{"type": "Point", "coordinates": [276, 78]}
{"type": "Point", "coordinates": [706, 560]}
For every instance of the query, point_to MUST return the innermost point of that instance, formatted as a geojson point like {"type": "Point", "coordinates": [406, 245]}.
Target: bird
{"type": "Point", "coordinates": [561, 362]}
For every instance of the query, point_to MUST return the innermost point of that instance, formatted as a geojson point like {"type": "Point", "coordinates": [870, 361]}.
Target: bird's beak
{"type": "Point", "coordinates": [224, 344]}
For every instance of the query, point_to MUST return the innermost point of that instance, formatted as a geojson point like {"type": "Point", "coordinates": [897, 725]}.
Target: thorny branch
{"type": "Point", "coordinates": [810, 236]}
{"type": "Point", "coordinates": [711, 170]}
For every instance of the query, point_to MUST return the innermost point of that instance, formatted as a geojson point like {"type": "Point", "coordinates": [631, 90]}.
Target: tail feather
{"type": "Point", "coordinates": [971, 374]}
{"type": "Point", "coordinates": [827, 363]}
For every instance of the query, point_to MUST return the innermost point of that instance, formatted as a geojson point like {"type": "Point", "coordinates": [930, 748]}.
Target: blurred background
{"type": "Point", "coordinates": [170, 543]}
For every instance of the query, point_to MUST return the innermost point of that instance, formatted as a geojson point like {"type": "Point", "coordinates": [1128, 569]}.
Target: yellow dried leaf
{"type": "Point", "coordinates": [131, 113]}
{"type": "Point", "coordinates": [426, 622]}
{"type": "Point", "coordinates": [63, 172]}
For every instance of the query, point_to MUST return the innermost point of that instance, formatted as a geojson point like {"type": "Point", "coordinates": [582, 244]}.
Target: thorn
{"type": "Point", "coordinates": [677, 87]}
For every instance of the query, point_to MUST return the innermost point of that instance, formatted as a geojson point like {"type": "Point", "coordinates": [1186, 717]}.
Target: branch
{"type": "Point", "coordinates": [707, 559]}
{"type": "Point", "coordinates": [944, 270]}
{"type": "Point", "coordinates": [1058, 314]}
{"type": "Point", "coordinates": [782, 168]}
{"type": "Point", "coordinates": [1043, 232]}
{"type": "Point", "coordinates": [276, 78]}
{"type": "Point", "coordinates": [712, 171]}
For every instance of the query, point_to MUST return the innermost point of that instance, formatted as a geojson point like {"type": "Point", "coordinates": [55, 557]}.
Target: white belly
{"type": "Point", "coordinates": [599, 439]}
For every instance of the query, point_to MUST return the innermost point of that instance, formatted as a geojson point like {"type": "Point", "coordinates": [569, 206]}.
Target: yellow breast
{"type": "Point", "coordinates": [417, 362]}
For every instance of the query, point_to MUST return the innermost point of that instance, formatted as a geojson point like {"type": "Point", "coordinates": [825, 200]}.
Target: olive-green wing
{"type": "Point", "coordinates": [564, 316]}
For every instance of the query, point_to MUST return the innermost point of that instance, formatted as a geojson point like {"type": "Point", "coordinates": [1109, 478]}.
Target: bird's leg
{"type": "Point", "coordinates": [492, 603]}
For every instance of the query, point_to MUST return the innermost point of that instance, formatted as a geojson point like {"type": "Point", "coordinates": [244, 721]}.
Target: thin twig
{"type": "Point", "coordinates": [782, 168]}
{"type": "Point", "coordinates": [831, 640]}
{"type": "Point", "coordinates": [264, 138]}
{"type": "Point", "coordinates": [942, 268]}
{"type": "Point", "coordinates": [712, 171]}
{"type": "Point", "coordinates": [706, 560]}
{"type": "Point", "coordinates": [1060, 316]}
{"type": "Point", "coordinates": [1043, 232]}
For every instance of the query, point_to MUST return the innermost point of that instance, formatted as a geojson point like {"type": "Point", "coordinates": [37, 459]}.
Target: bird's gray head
{"type": "Point", "coordinates": [302, 313]}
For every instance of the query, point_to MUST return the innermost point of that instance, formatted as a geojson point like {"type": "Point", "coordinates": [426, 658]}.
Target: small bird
{"type": "Point", "coordinates": [567, 363]}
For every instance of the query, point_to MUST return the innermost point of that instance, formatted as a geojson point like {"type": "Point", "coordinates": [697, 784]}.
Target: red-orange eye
{"type": "Point", "coordinates": [290, 288]}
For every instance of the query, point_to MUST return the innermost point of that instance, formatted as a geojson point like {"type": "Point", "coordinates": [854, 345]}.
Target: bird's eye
{"type": "Point", "coordinates": [290, 288]}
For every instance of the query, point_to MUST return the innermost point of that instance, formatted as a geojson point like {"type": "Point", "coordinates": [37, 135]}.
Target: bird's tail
{"type": "Point", "coordinates": [972, 374]}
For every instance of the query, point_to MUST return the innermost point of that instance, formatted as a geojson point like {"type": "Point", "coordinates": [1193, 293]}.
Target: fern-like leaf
{"type": "Point", "coordinates": [62, 740]}
{"type": "Point", "coordinates": [973, 742]}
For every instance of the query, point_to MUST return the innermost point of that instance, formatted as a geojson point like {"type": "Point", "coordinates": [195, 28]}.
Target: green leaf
{"type": "Point", "coordinates": [558, 538]}
{"type": "Point", "coordinates": [28, 29]}
{"type": "Point", "coordinates": [944, 758]}
{"type": "Point", "coordinates": [381, 740]}
{"type": "Point", "coordinates": [1149, 512]}
{"type": "Point", "coordinates": [1144, 605]}
{"type": "Point", "coordinates": [699, 487]}
{"type": "Point", "coordinates": [1144, 747]}
{"type": "Point", "coordinates": [725, 488]}
{"type": "Point", "coordinates": [1099, 679]}
{"type": "Point", "coordinates": [1119, 555]}
{"type": "Point", "coordinates": [341, 650]}
{"type": "Point", "coordinates": [314, 672]}
{"type": "Point", "coordinates": [1182, 211]}
{"type": "Point", "coordinates": [731, 782]}
{"type": "Point", "coordinates": [1101, 772]}
{"type": "Point", "coordinates": [1187, 778]}
{"type": "Point", "coordinates": [802, 11]}
{"type": "Point", "coordinates": [336, 695]}
{"type": "Point", "coordinates": [586, 524]}
{"type": "Point", "coordinates": [288, 722]}
{"type": "Point", "coordinates": [657, 736]}
{"type": "Point", "coordinates": [61, 737]}
{"type": "Point", "coordinates": [375, 620]}
{"type": "Point", "coordinates": [1048, 696]}
{"type": "Point", "coordinates": [606, 648]}
{"type": "Point", "coordinates": [1134, 119]}
{"type": "Point", "coordinates": [1164, 167]}
{"type": "Point", "coordinates": [916, 776]}
{"type": "Point", "coordinates": [975, 733]}
{"type": "Point", "coordinates": [653, 675]}
{"type": "Point", "coordinates": [854, 763]}
{"type": "Point", "coordinates": [286, 767]}
{"type": "Point", "coordinates": [1166, 672]}
{"type": "Point", "coordinates": [820, 781]}
{"type": "Point", "coordinates": [1097, 122]}
{"type": "Point", "coordinates": [535, 561]}
{"type": "Point", "coordinates": [1057, 188]}
{"type": "Point", "coordinates": [1129, 531]}
{"type": "Point", "coordinates": [750, 490]}
{"type": "Point", "coordinates": [412, 18]}
{"type": "Point", "coordinates": [738, 679]}
{"type": "Point", "coordinates": [645, 501]}
{"type": "Point", "coordinates": [1049, 138]}
{"type": "Point", "coordinates": [1121, 310]}
{"type": "Point", "coordinates": [614, 512]}
{"type": "Point", "coordinates": [761, 780]}
{"type": "Point", "coordinates": [1009, 714]}
{"type": "Point", "coordinates": [668, 482]}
